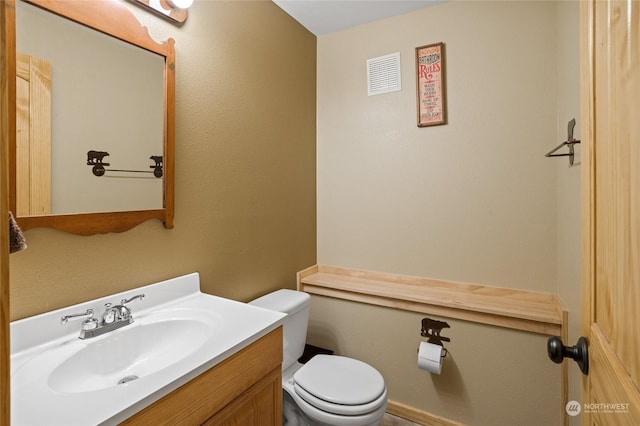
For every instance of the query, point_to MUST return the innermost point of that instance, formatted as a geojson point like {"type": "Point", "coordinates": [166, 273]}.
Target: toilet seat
{"type": "Point", "coordinates": [340, 409]}
{"type": "Point", "coordinates": [340, 385]}
{"type": "Point", "coordinates": [315, 416]}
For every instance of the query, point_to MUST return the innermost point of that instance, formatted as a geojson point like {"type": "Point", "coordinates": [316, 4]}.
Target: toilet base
{"type": "Point", "coordinates": [291, 414]}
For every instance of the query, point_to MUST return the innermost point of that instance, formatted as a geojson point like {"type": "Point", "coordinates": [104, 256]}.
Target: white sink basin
{"type": "Point", "coordinates": [177, 334]}
{"type": "Point", "coordinates": [127, 354]}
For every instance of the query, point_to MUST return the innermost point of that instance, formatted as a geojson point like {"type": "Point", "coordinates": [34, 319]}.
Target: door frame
{"type": "Point", "coordinates": [7, 132]}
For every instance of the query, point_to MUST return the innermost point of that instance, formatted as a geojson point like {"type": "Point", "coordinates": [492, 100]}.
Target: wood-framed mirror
{"type": "Point", "coordinates": [101, 158]}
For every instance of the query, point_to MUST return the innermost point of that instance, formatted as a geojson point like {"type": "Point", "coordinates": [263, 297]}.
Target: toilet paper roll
{"type": "Point", "coordinates": [430, 357]}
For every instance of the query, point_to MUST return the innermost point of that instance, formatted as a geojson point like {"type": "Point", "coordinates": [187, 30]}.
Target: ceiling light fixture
{"type": "Point", "coordinates": [181, 4]}
{"type": "Point", "coordinates": [173, 10]}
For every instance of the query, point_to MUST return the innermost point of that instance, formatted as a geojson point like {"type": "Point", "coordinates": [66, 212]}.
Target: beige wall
{"type": "Point", "coordinates": [245, 171]}
{"type": "Point", "coordinates": [491, 376]}
{"type": "Point", "coordinates": [473, 201]}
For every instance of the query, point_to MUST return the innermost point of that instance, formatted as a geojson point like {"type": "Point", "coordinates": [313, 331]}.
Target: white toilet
{"type": "Point", "coordinates": [329, 389]}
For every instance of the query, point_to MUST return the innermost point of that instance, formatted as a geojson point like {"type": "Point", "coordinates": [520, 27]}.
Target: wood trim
{"type": "Point", "coordinates": [587, 178]}
{"type": "Point", "coordinates": [7, 136]}
{"type": "Point", "coordinates": [301, 275]}
{"type": "Point", "coordinates": [535, 312]}
{"type": "Point", "coordinates": [170, 133]}
{"type": "Point", "coordinates": [107, 16]}
{"type": "Point", "coordinates": [418, 416]}
{"type": "Point", "coordinates": [91, 223]}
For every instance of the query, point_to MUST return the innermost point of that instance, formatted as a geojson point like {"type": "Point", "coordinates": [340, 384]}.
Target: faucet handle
{"type": "Point", "coordinates": [124, 311]}
{"type": "Point", "coordinates": [89, 324]}
{"type": "Point", "coordinates": [109, 315]}
{"type": "Point", "coordinates": [65, 319]}
{"type": "Point", "coordinates": [137, 296]}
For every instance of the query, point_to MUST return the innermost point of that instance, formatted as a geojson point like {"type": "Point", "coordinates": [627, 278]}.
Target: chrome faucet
{"type": "Point", "coordinates": [113, 318]}
{"type": "Point", "coordinates": [119, 313]}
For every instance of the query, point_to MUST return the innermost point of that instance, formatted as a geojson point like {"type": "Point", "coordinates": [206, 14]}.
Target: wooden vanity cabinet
{"type": "Point", "coordinates": [243, 390]}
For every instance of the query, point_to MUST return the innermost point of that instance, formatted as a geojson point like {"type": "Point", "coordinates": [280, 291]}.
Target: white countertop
{"type": "Point", "coordinates": [39, 344]}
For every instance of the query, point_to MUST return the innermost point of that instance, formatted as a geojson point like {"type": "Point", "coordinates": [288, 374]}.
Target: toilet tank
{"type": "Point", "coordinates": [296, 305]}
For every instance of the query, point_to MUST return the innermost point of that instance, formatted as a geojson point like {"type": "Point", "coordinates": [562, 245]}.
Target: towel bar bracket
{"type": "Point", "coordinates": [96, 159]}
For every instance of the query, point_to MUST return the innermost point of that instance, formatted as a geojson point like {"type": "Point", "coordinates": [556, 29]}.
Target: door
{"type": "Point", "coordinates": [610, 69]}
{"type": "Point", "coordinates": [33, 136]}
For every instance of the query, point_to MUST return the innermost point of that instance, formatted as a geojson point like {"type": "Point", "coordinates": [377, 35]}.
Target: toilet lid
{"type": "Point", "coordinates": [340, 380]}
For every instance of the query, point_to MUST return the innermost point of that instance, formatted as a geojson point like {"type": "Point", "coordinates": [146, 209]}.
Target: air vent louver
{"type": "Point", "coordinates": [383, 74]}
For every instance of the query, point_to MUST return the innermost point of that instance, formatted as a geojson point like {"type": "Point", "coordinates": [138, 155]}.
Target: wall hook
{"type": "Point", "coordinates": [570, 142]}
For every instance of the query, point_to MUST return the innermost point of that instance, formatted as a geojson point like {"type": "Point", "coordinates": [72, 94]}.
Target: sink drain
{"type": "Point", "coordinates": [127, 379]}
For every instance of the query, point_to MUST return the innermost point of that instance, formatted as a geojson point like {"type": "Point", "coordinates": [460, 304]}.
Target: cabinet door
{"type": "Point", "coordinates": [260, 405]}
{"type": "Point", "coordinates": [240, 377]}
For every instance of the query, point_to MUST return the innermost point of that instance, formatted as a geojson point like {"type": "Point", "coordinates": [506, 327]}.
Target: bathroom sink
{"type": "Point", "coordinates": [128, 354]}
{"type": "Point", "coordinates": [178, 333]}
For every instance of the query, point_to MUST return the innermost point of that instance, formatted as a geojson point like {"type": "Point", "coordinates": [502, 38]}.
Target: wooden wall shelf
{"type": "Point", "coordinates": [542, 313]}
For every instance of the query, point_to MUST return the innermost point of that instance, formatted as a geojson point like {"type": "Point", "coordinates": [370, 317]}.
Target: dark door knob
{"type": "Point", "coordinates": [579, 353]}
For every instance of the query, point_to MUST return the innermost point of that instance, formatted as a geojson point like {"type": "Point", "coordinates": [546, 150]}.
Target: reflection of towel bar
{"type": "Point", "coordinates": [570, 142]}
{"type": "Point", "coordinates": [94, 158]}
{"type": "Point", "coordinates": [132, 171]}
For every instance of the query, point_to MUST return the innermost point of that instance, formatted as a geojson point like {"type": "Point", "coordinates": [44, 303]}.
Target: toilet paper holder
{"type": "Point", "coordinates": [432, 328]}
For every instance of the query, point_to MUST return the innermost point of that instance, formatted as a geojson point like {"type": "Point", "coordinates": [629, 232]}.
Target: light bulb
{"type": "Point", "coordinates": [181, 4]}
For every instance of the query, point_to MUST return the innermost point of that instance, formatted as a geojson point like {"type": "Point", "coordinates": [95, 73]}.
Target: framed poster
{"type": "Point", "coordinates": [430, 80]}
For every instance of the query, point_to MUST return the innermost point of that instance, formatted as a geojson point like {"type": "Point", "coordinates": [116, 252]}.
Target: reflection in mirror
{"type": "Point", "coordinates": [94, 145]}
{"type": "Point", "coordinates": [105, 95]}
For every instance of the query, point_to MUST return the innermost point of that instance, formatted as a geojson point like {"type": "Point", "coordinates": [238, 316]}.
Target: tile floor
{"type": "Point", "coordinates": [389, 420]}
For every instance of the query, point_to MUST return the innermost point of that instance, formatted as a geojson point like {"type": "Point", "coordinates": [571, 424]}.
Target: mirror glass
{"type": "Point", "coordinates": [106, 96]}
{"type": "Point", "coordinates": [93, 126]}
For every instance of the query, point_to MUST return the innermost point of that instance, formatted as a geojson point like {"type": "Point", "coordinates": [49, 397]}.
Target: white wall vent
{"type": "Point", "coordinates": [383, 74]}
